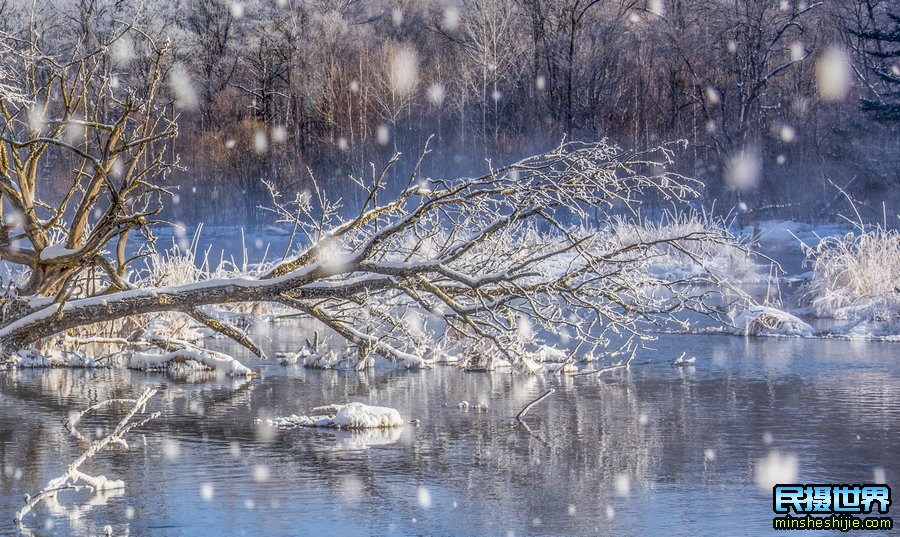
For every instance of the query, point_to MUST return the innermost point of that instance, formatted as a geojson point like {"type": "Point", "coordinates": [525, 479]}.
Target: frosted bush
{"type": "Point", "coordinates": [854, 277]}
{"type": "Point", "coordinates": [729, 260]}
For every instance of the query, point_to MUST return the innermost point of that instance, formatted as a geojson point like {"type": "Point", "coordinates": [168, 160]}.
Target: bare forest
{"type": "Point", "coordinates": [318, 267]}
{"type": "Point", "coordinates": [778, 101]}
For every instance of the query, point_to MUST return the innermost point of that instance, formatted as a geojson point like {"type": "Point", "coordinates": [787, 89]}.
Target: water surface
{"type": "Point", "coordinates": [650, 451]}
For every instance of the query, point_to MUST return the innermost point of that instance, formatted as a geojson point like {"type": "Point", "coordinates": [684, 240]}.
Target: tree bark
{"type": "Point", "coordinates": [55, 318]}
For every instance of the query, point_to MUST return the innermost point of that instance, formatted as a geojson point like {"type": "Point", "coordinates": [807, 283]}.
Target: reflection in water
{"type": "Point", "coordinates": [652, 450]}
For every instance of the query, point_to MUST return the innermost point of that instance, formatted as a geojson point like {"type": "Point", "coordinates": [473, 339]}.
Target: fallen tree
{"type": "Point", "coordinates": [490, 264]}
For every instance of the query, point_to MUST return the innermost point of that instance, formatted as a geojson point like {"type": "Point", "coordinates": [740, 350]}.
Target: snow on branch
{"type": "Point", "coordinates": [73, 475]}
{"type": "Point", "coordinates": [214, 361]}
{"type": "Point", "coordinates": [473, 266]}
{"type": "Point", "coordinates": [480, 257]}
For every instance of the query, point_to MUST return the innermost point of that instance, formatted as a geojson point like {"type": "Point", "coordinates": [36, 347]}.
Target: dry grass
{"type": "Point", "coordinates": [725, 255]}
{"type": "Point", "coordinates": [856, 276]}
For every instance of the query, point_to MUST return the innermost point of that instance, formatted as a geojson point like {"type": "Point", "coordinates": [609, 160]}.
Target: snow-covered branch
{"type": "Point", "coordinates": [73, 475]}
{"type": "Point", "coordinates": [502, 262]}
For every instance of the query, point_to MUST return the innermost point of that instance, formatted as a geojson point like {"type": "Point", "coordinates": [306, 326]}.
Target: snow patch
{"type": "Point", "coordinates": [35, 359]}
{"type": "Point", "coordinates": [55, 251]}
{"type": "Point", "coordinates": [786, 234]}
{"type": "Point", "coordinates": [349, 416]}
{"type": "Point", "coordinates": [768, 321]}
{"type": "Point", "coordinates": [192, 359]}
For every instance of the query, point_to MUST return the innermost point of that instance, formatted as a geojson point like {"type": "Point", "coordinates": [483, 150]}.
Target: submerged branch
{"type": "Point", "coordinates": [521, 414]}
{"type": "Point", "coordinates": [72, 475]}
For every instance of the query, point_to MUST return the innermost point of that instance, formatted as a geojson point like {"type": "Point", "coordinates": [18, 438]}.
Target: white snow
{"type": "Point", "coordinates": [556, 368]}
{"type": "Point", "coordinates": [833, 74]}
{"type": "Point", "coordinates": [215, 361]}
{"type": "Point", "coordinates": [183, 88]}
{"type": "Point", "coordinates": [35, 359]}
{"type": "Point", "coordinates": [350, 416]}
{"type": "Point", "coordinates": [348, 360]}
{"type": "Point", "coordinates": [357, 439]}
{"type": "Point", "coordinates": [769, 321]}
{"type": "Point", "coordinates": [404, 69]}
{"type": "Point", "coordinates": [99, 482]}
{"type": "Point", "coordinates": [743, 170]}
{"type": "Point", "coordinates": [359, 415]}
{"type": "Point", "coordinates": [291, 358]}
{"type": "Point", "coordinates": [55, 251]}
{"type": "Point", "coordinates": [684, 360]}
{"type": "Point", "coordinates": [492, 363]}
{"type": "Point", "coordinates": [854, 277]}
{"type": "Point", "coordinates": [547, 353]}
{"type": "Point", "coordinates": [776, 468]}
{"type": "Point", "coordinates": [423, 496]}
{"type": "Point", "coordinates": [788, 234]}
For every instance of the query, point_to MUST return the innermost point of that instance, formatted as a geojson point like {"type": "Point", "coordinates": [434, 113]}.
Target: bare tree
{"type": "Point", "coordinates": [873, 32]}
{"type": "Point", "coordinates": [463, 253]}
{"type": "Point", "coordinates": [493, 56]}
{"type": "Point", "coordinates": [110, 133]}
{"type": "Point", "coordinates": [481, 259]}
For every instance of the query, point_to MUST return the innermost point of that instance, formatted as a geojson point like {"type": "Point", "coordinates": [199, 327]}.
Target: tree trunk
{"type": "Point", "coordinates": [56, 318]}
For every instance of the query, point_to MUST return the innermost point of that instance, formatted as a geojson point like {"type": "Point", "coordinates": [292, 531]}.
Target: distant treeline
{"type": "Point", "coordinates": [777, 99]}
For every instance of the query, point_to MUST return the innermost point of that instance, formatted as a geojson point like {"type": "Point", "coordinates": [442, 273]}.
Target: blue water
{"type": "Point", "coordinates": [624, 454]}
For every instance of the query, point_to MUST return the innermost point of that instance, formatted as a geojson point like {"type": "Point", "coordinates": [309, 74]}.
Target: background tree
{"type": "Point", "coordinates": [108, 131]}
{"type": "Point", "coordinates": [500, 79]}
{"type": "Point", "coordinates": [877, 41]}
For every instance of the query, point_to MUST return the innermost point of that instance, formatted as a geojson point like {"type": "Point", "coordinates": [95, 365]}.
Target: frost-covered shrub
{"type": "Point", "coordinates": [856, 276]}
{"type": "Point", "coordinates": [725, 259]}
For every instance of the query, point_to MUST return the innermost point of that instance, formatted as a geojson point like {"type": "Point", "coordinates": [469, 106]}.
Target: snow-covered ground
{"type": "Point", "coordinates": [847, 282]}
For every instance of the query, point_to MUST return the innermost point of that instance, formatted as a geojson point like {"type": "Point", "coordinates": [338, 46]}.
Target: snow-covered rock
{"type": "Point", "coordinates": [192, 359]}
{"type": "Point", "coordinates": [768, 321]}
{"type": "Point", "coordinates": [349, 416]}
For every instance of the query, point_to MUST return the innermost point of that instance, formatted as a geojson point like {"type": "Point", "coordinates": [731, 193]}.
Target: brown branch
{"type": "Point", "coordinates": [227, 330]}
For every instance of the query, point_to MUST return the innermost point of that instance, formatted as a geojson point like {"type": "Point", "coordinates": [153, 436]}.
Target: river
{"type": "Point", "coordinates": [655, 450]}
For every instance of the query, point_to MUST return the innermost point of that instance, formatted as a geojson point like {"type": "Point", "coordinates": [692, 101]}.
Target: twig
{"type": "Point", "coordinates": [227, 330]}
{"type": "Point", "coordinates": [72, 421]}
{"type": "Point", "coordinates": [525, 410]}
{"type": "Point", "coordinates": [72, 472]}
